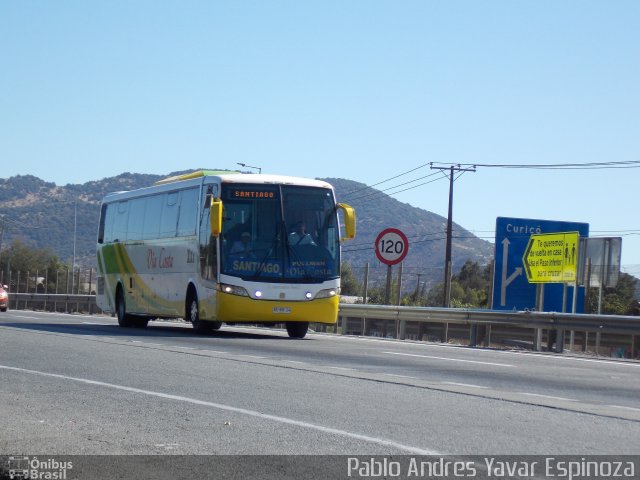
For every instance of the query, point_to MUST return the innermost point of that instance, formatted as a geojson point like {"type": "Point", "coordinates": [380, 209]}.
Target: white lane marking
{"type": "Point", "coordinates": [341, 368]}
{"type": "Point", "coordinates": [551, 397]}
{"type": "Point", "coordinates": [96, 323]}
{"type": "Point", "coordinates": [243, 411]}
{"type": "Point", "coordinates": [464, 385]}
{"type": "Point", "coordinates": [26, 316]}
{"type": "Point", "coordinates": [449, 359]}
{"type": "Point", "coordinates": [480, 351]}
{"type": "Point", "coordinates": [625, 408]}
{"type": "Point", "coordinates": [257, 357]}
{"type": "Point", "coordinates": [568, 358]}
{"type": "Point", "coordinates": [297, 362]}
{"type": "Point", "coordinates": [399, 376]}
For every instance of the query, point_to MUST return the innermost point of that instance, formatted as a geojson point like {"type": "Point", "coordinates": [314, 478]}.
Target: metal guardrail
{"type": "Point", "coordinates": [555, 324]}
{"type": "Point", "coordinates": [54, 302]}
{"type": "Point", "coordinates": [619, 324]}
{"type": "Point", "coordinates": [530, 319]}
{"type": "Point", "coordinates": [474, 318]}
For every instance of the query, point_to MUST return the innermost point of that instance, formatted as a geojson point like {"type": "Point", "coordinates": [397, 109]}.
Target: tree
{"type": "Point", "coordinates": [349, 284]}
{"type": "Point", "coordinates": [20, 257]}
{"type": "Point", "coordinates": [620, 300]}
{"type": "Point", "coordinates": [469, 288]}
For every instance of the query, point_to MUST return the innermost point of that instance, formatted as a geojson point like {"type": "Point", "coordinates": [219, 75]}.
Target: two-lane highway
{"type": "Point", "coordinates": [81, 384]}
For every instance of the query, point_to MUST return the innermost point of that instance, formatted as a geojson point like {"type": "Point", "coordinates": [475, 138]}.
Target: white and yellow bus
{"type": "Point", "coordinates": [223, 247]}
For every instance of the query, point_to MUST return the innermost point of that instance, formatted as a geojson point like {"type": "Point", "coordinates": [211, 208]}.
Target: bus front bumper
{"type": "Point", "coordinates": [240, 309]}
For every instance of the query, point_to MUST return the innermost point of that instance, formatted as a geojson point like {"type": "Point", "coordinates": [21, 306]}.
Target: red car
{"type": "Point", "coordinates": [4, 298]}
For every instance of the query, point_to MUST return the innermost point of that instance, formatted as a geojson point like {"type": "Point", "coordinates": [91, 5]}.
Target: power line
{"type": "Point", "coordinates": [532, 166]}
{"type": "Point", "coordinates": [559, 166]}
{"type": "Point", "coordinates": [387, 180]}
{"type": "Point", "coordinates": [382, 192]}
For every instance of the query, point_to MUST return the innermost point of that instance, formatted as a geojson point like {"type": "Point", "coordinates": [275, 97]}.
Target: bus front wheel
{"type": "Point", "coordinates": [297, 329]}
{"type": "Point", "coordinates": [193, 314]}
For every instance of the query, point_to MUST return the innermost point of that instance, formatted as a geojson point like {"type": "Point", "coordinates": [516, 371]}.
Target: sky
{"type": "Point", "coordinates": [367, 90]}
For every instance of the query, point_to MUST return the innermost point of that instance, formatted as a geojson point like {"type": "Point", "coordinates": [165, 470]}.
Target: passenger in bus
{"type": "Point", "coordinates": [300, 236]}
{"type": "Point", "coordinates": [243, 246]}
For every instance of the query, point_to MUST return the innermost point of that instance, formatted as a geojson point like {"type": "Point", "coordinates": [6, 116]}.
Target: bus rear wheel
{"type": "Point", "coordinates": [297, 329]}
{"type": "Point", "coordinates": [124, 319]}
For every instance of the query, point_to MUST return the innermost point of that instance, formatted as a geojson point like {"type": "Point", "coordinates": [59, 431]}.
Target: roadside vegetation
{"type": "Point", "coordinates": [471, 287]}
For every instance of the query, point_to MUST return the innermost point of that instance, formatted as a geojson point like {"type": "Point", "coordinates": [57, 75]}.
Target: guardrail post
{"type": "Point", "coordinates": [403, 327]}
{"type": "Point", "coordinates": [537, 340]}
{"type": "Point", "coordinates": [559, 341]}
{"type": "Point", "coordinates": [473, 335]}
{"type": "Point", "coordinates": [344, 323]}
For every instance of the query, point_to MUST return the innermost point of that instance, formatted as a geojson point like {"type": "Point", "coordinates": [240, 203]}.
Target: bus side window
{"type": "Point", "coordinates": [169, 222]}
{"type": "Point", "coordinates": [188, 213]}
{"type": "Point", "coordinates": [120, 221]}
{"type": "Point", "coordinates": [151, 227]}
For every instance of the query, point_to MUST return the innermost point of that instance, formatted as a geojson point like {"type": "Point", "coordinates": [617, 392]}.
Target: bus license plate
{"type": "Point", "coordinates": [281, 309]}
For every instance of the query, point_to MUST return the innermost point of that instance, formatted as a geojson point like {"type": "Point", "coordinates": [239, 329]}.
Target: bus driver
{"type": "Point", "coordinates": [300, 236]}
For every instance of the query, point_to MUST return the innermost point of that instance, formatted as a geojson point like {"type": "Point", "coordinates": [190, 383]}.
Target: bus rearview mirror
{"type": "Point", "coordinates": [349, 215]}
{"type": "Point", "coordinates": [216, 217]}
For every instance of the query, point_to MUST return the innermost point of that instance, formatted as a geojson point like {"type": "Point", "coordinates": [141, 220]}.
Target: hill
{"type": "Point", "coordinates": [426, 232]}
{"type": "Point", "coordinates": [44, 215]}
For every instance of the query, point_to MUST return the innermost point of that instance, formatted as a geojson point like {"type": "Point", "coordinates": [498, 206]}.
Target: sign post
{"type": "Point", "coordinates": [552, 258]}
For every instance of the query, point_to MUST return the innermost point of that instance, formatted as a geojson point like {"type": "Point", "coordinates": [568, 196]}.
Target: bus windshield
{"type": "Point", "coordinates": [279, 233]}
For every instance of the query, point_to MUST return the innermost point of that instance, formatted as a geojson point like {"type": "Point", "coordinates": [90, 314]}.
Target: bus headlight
{"type": "Point", "coordinates": [233, 290]}
{"type": "Point", "coordinates": [328, 293]}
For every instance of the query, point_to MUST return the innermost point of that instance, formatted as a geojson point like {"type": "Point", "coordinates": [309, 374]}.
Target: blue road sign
{"type": "Point", "coordinates": [511, 290]}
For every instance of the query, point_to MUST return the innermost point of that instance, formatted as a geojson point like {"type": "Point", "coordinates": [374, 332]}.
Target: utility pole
{"type": "Point", "coordinates": [447, 259]}
{"type": "Point", "coordinates": [75, 230]}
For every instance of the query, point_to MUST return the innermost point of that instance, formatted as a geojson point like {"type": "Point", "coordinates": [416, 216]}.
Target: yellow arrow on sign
{"type": "Point", "coordinates": [552, 257]}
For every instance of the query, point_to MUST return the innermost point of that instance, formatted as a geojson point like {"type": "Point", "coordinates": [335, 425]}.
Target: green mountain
{"type": "Point", "coordinates": [44, 215]}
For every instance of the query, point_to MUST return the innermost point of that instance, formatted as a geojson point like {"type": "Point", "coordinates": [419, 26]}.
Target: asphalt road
{"type": "Point", "coordinates": [77, 385]}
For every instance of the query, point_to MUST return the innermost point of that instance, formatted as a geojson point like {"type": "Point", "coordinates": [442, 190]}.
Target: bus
{"type": "Point", "coordinates": [223, 247]}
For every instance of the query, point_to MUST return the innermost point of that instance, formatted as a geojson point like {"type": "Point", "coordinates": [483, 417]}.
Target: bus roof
{"type": "Point", "coordinates": [227, 176]}
{"type": "Point", "coordinates": [224, 176]}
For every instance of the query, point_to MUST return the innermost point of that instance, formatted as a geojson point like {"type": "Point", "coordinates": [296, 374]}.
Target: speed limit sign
{"type": "Point", "coordinates": [391, 246]}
